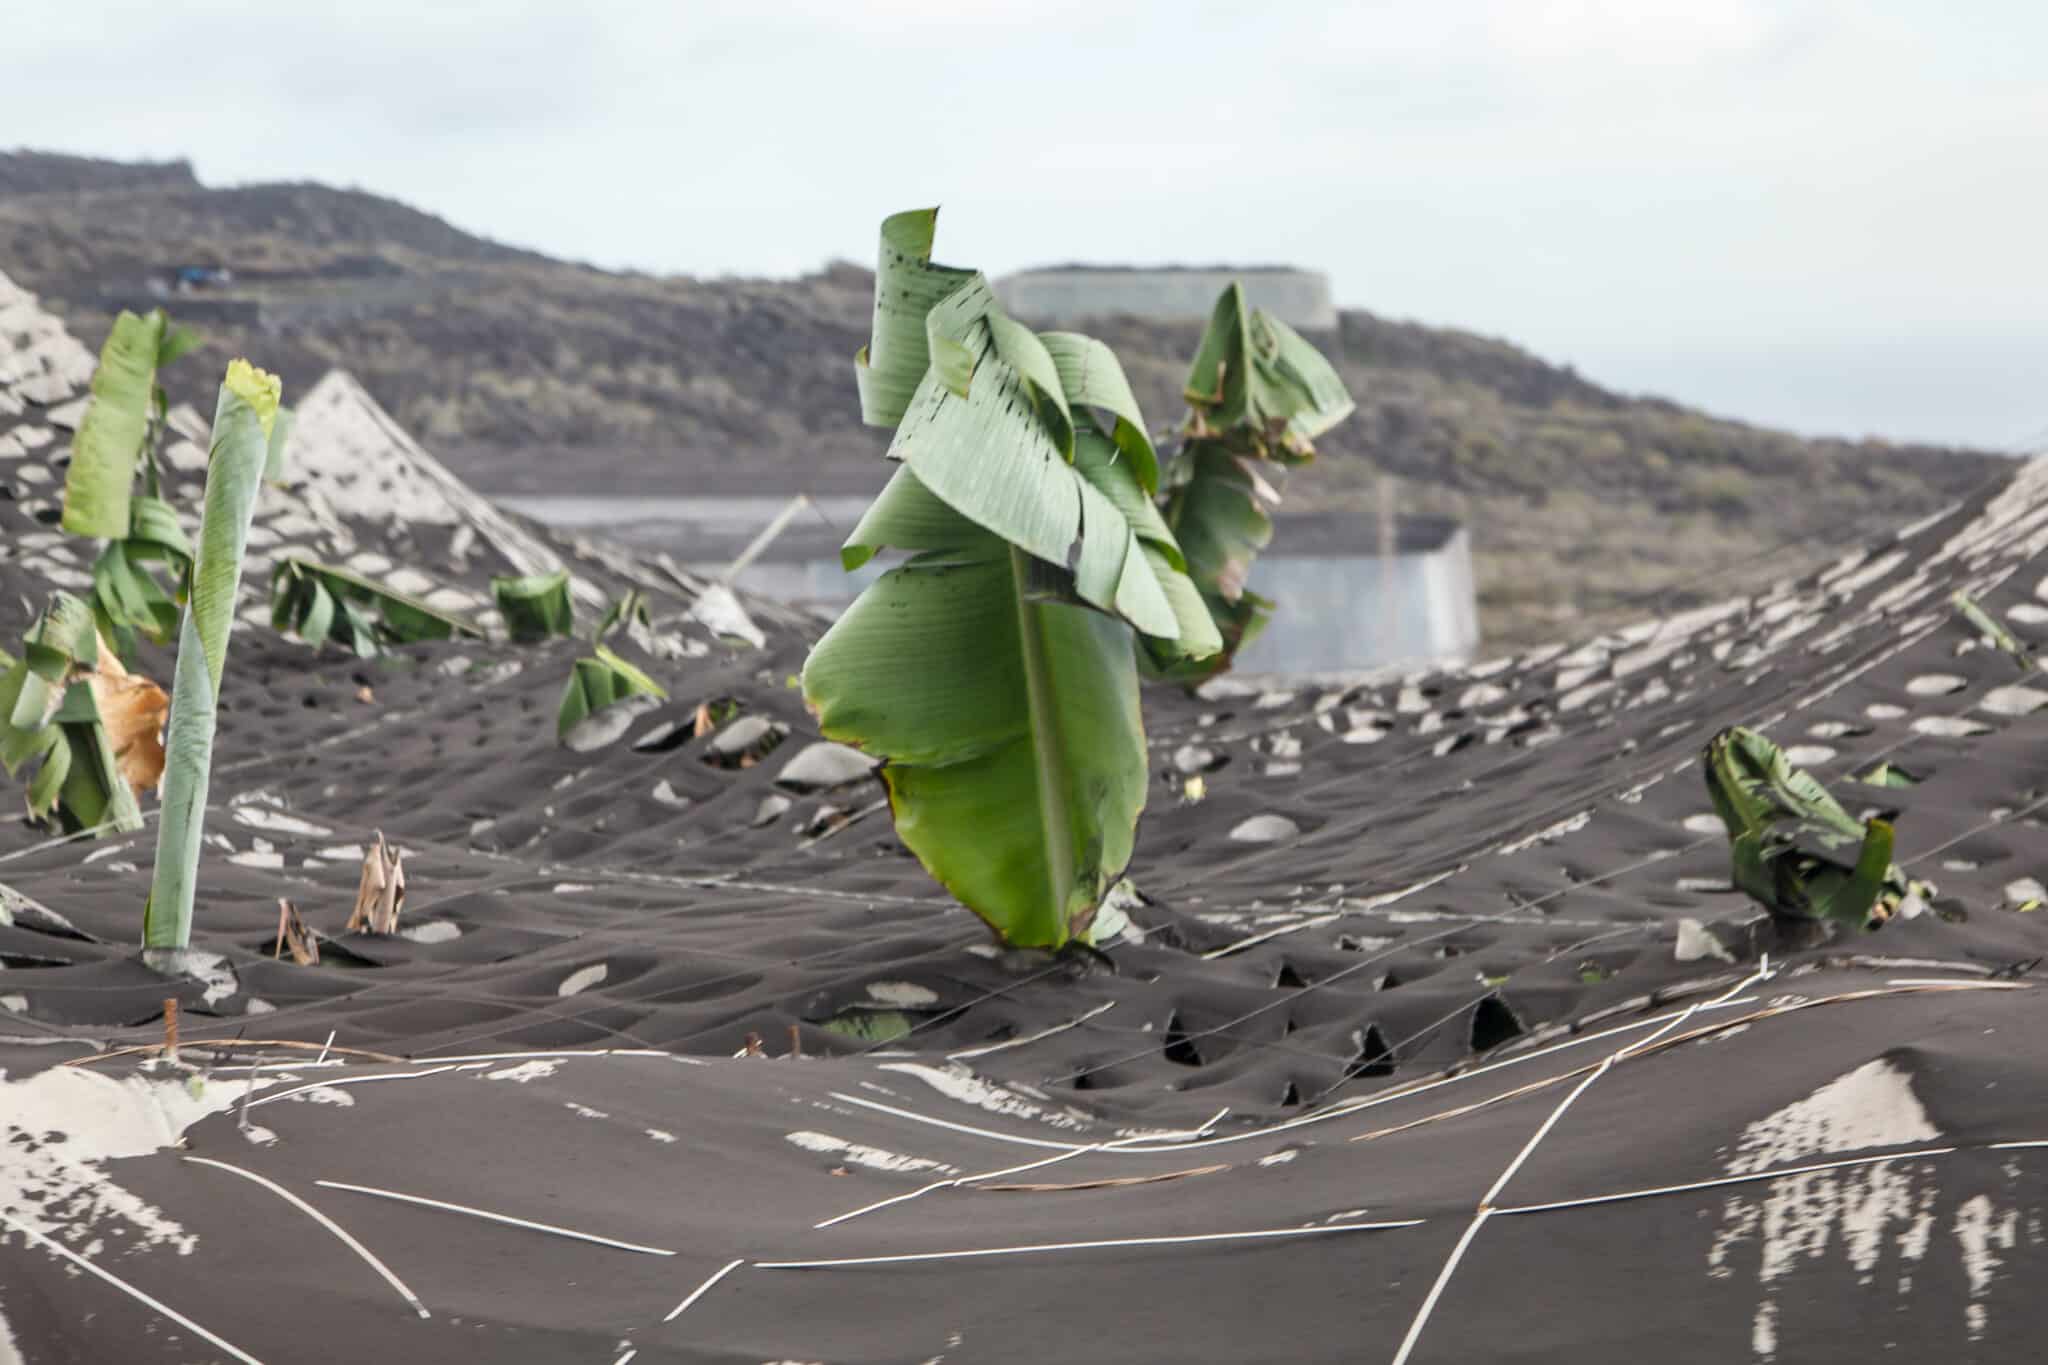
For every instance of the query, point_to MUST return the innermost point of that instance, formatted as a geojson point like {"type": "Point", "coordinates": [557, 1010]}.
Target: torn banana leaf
{"type": "Point", "coordinates": [127, 597]}
{"type": "Point", "coordinates": [628, 613]}
{"type": "Point", "coordinates": [112, 435]}
{"type": "Point", "coordinates": [598, 681]}
{"type": "Point", "coordinates": [994, 672]}
{"type": "Point", "coordinates": [1796, 851]}
{"type": "Point", "coordinates": [1258, 385]}
{"type": "Point", "coordinates": [49, 718]}
{"type": "Point", "coordinates": [320, 603]}
{"type": "Point", "coordinates": [1260, 395]}
{"type": "Point", "coordinates": [535, 608]}
{"type": "Point", "coordinates": [1220, 508]}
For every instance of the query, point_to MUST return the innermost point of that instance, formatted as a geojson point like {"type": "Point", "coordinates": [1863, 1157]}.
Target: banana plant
{"type": "Point", "coordinates": [606, 677]}
{"type": "Point", "coordinates": [1796, 851]}
{"type": "Point", "coordinates": [1259, 395]}
{"type": "Point", "coordinates": [321, 603]}
{"type": "Point", "coordinates": [244, 418]}
{"type": "Point", "coordinates": [68, 707]}
{"type": "Point", "coordinates": [993, 671]}
{"type": "Point", "coordinates": [118, 436]}
{"type": "Point", "coordinates": [536, 607]}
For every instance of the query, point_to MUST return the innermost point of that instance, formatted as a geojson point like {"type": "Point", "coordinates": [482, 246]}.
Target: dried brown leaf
{"type": "Point", "coordinates": [292, 934]}
{"type": "Point", "coordinates": [381, 892]}
{"type": "Point", "coordinates": [133, 710]}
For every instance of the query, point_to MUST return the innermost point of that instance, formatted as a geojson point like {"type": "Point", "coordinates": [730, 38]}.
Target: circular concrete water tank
{"type": "Point", "coordinates": [1060, 294]}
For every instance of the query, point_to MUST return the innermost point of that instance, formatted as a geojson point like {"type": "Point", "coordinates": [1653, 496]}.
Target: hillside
{"type": "Point", "coordinates": [530, 374]}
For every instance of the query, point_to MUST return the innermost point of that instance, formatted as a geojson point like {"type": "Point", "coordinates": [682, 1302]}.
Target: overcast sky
{"type": "Point", "coordinates": [1826, 214]}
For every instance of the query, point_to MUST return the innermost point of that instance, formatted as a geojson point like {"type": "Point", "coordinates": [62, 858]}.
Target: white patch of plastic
{"type": "Point", "coordinates": [583, 978]}
{"type": "Point", "coordinates": [902, 994]}
{"type": "Point", "coordinates": [873, 1158]}
{"type": "Point", "coordinates": [1874, 1214]}
{"type": "Point", "coordinates": [958, 1083]}
{"type": "Point", "coordinates": [1981, 1233]}
{"type": "Point", "coordinates": [100, 1119]}
{"type": "Point", "coordinates": [326, 1094]}
{"type": "Point", "coordinates": [277, 822]}
{"type": "Point", "coordinates": [1549, 834]}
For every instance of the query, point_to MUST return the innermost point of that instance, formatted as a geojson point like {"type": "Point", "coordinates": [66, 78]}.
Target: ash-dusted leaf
{"type": "Point", "coordinates": [1796, 851]}
{"type": "Point", "coordinates": [600, 681]}
{"type": "Point", "coordinates": [49, 716]}
{"type": "Point", "coordinates": [233, 476]}
{"type": "Point", "coordinates": [320, 603]}
{"type": "Point", "coordinates": [536, 607]}
{"type": "Point", "coordinates": [277, 446]}
{"type": "Point", "coordinates": [110, 438]}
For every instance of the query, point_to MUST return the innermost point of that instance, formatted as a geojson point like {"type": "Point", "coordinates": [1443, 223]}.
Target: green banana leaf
{"type": "Point", "coordinates": [242, 422]}
{"type": "Point", "coordinates": [111, 437]}
{"type": "Point", "coordinates": [1220, 509]}
{"type": "Point", "coordinates": [127, 597]}
{"type": "Point", "coordinates": [1889, 774]}
{"type": "Point", "coordinates": [1016, 754]}
{"type": "Point", "coordinates": [627, 612]}
{"type": "Point", "coordinates": [598, 681]}
{"type": "Point", "coordinates": [321, 603]}
{"type": "Point", "coordinates": [47, 716]}
{"type": "Point", "coordinates": [1256, 381]}
{"type": "Point", "coordinates": [1796, 851]}
{"type": "Point", "coordinates": [276, 449]}
{"type": "Point", "coordinates": [994, 670]}
{"type": "Point", "coordinates": [535, 608]}
{"type": "Point", "coordinates": [907, 286]}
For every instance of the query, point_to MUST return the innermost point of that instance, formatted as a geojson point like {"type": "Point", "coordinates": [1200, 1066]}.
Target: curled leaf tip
{"type": "Point", "coordinates": [260, 389]}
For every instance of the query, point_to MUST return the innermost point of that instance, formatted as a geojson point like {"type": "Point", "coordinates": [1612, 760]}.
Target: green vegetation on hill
{"type": "Point", "coordinates": [535, 375]}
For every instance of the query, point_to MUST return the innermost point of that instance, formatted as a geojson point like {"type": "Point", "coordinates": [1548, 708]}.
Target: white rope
{"type": "Point", "coordinates": [1087, 1246]}
{"type": "Point", "coordinates": [126, 1288]}
{"type": "Point", "coordinates": [507, 1219]}
{"type": "Point", "coordinates": [704, 1288]}
{"type": "Point", "coordinates": [324, 1221]}
{"type": "Point", "coordinates": [1486, 1210]}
